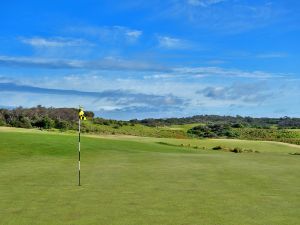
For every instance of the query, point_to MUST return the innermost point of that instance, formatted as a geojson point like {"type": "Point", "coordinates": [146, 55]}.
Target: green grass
{"type": "Point", "coordinates": [180, 131]}
{"type": "Point", "coordinates": [137, 181]}
{"type": "Point", "coordinates": [183, 127]}
{"type": "Point", "coordinates": [282, 135]}
{"type": "Point", "coordinates": [136, 130]}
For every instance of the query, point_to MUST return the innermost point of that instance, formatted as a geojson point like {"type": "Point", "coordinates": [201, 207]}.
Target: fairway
{"type": "Point", "coordinates": [140, 181]}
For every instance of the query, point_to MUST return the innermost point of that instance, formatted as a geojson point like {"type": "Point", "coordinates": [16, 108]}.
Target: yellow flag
{"type": "Point", "coordinates": [81, 114]}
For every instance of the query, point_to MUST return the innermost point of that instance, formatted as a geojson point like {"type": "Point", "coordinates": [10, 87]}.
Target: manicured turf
{"type": "Point", "coordinates": [139, 181]}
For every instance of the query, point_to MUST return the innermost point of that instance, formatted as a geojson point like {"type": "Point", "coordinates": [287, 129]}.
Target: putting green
{"type": "Point", "coordinates": [138, 181]}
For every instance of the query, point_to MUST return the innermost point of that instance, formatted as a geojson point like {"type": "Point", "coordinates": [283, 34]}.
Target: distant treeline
{"type": "Point", "coordinates": [41, 117]}
{"type": "Point", "coordinates": [66, 118]}
{"type": "Point", "coordinates": [233, 121]}
{"type": "Point", "coordinates": [226, 131]}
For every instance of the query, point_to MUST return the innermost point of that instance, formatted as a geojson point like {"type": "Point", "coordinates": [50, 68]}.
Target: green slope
{"type": "Point", "coordinates": [132, 180]}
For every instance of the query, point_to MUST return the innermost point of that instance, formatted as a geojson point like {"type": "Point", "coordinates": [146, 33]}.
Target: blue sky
{"type": "Point", "coordinates": [136, 59]}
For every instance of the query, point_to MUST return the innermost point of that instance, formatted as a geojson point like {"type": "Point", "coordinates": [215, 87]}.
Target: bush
{"type": "Point", "coordinates": [213, 131]}
{"type": "Point", "coordinates": [237, 125]}
{"type": "Point", "coordinates": [296, 153]}
{"type": "Point", "coordinates": [61, 124]}
{"type": "Point", "coordinates": [45, 123]}
{"type": "Point", "coordinates": [237, 150]}
{"type": "Point", "coordinates": [25, 122]}
{"type": "Point", "coordinates": [217, 148]}
{"type": "Point", "coordinates": [117, 126]}
{"type": "Point", "coordinates": [2, 122]}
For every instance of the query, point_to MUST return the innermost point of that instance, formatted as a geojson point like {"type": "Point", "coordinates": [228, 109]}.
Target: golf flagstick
{"type": "Point", "coordinates": [81, 116]}
{"type": "Point", "coordinates": [79, 152]}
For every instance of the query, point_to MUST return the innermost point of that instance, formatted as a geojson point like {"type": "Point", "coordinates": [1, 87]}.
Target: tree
{"type": "Point", "coordinates": [212, 130]}
{"type": "Point", "coordinates": [61, 124]}
{"type": "Point", "coordinates": [24, 122]}
{"type": "Point", "coordinates": [45, 123]}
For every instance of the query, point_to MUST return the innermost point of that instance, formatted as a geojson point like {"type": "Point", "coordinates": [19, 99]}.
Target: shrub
{"type": "Point", "coordinates": [212, 131]}
{"type": "Point", "coordinates": [117, 126]}
{"type": "Point", "coordinates": [237, 150]}
{"type": "Point", "coordinates": [217, 148]}
{"type": "Point", "coordinates": [61, 124]}
{"type": "Point", "coordinates": [2, 122]}
{"type": "Point", "coordinates": [296, 153]}
{"type": "Point", "coordinates": [25, 122]}
{"type": "Point", "coordinates": [237, 125]}
{"type": "Point", "coordinates": [45, 123]}
{"type": "Point", "coordinates": [248, 150]}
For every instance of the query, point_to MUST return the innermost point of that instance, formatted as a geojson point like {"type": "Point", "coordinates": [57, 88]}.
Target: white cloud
{"type": "Point", "coordinates": [130, 35]}
{"type": "Point", "coordinates": [204, 3]}
{"type": "Point", "coordinates": [246, 92]}
{"type": "Point", "coordinates": [107, 63]}
{"type": "Point", "coordinates": [272, 55]}
{"type": "Point", "coordinates": [172, 43]}
{"type": "Point", "coordinates": [119, 64]}
{"type": "Point", "coordinates": [53, 42]}
{"type": "Point", "coordinates": [135, 34]}
{"type": "Point", "coordinates": [218, 71]}
{"type": "Point", "coordinates": [214, 96]}
{"type": "Point", "coordinates": [6, 79]}
{"type": "Point", "coordinates": [233, 18]}
{"type": "Point", "coordinates": [160, 76]}
{"type": "Point", "coordinates": [109, 33]}
{"type": "Point", "coordinates": [120, 98]}
{"type": "Point", "coordinates": [216, 61]}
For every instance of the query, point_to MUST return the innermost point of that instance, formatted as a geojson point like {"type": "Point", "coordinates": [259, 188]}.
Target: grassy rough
{"type": "Point", "coordinates": [139, 181]}
{"type": "Point", "coordinates": [137, 130]}
{"type": "Point", "coordinates": [274, 134]}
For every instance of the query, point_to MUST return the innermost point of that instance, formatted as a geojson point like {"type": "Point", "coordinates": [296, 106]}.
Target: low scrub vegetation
{"type": "Point", "coordinates": [296, 153]}
{"type": "Point", "coordinates": [216, 148]}
{"type": "Point", "coordinates": [274, 134]}
{"type": "Point", "coordinates": [212, 131]}
{"type": "Point", "coordinates": [233, 121]}
{"type": "Point", "coordinates": [235, 150]}
{"type": "Point", "coordinates": [204, 126]}
{"type": "Point", "coordinates": [265, 134]}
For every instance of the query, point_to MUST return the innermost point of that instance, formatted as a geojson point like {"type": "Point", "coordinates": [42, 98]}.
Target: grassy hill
{"type": "Point", "coordinates": [199, 126]}
{"type": "Point", "coordinates": [140, 180]}
{"type": "Point", "coordinates": [134, 129]}
{"type": "Point", "coordinates": [282, 135]}
{"type": "Point", "coordinates": [291, 136]}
